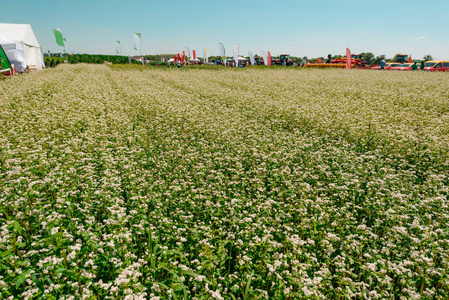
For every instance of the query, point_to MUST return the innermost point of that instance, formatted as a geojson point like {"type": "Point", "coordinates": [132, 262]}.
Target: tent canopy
{"type": "Point", "coordinates": [19, 33]}
{"type": "Point", "coordinates": [21, 46]}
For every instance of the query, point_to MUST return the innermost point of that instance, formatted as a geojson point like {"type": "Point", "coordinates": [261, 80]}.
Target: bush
{"type": "Point", "coordinates": [51, 62]}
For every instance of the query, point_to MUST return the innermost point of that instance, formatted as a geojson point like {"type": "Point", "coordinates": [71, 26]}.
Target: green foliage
{"type": "Point", "coordinates": [97, 59]}
{"type": "Point", "coordinates": [378, 59]}
{"type": "Point", "coordinates": [369, 57]}
{"type": "Point", "coordinates": [51, 62]}
{"type": "Point", "coordinates": [428, 57]}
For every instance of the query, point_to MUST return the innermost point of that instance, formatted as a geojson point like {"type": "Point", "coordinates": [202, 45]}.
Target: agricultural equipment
{"type": "Point", "coordinates": [401, 58]}
{"type": "Point", "coordinates": [259, 60]}
{"type": "Point", "coordinates": [355, 59]}
{"type": "Point", "coordinates": [283, 59]}
{"type": "Point", "coordinates": [356, 62]}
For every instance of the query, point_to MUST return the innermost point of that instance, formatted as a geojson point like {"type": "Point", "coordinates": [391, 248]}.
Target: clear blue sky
{"type": "Point", "coordinates": [310, 28]}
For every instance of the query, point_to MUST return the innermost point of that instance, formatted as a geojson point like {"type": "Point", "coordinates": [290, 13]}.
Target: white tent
{"type": "Point", "coordinates": [21, 46]}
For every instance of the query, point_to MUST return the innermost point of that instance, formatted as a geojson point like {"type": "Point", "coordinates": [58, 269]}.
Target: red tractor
{"type": "Point", "coordinates": [284, 59]}
{"type": "Point", "coordinates": [259, 60]}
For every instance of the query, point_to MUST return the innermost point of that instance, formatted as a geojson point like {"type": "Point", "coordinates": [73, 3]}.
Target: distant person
{"type": "Point", "coordinates": [414, 67]}
{"type": "Point", "coordinates": [422, 66]}
{"type": "Point", "coordinates": [382, 64]}
{"type": "Point", "coordinates": [179, 64]}
{"type": "Point", "coordinates": [363, 62]}
{"type": "Point", "coordinates": [168, 64]}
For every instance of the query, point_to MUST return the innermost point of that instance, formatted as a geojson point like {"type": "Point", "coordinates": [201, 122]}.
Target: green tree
{"type": "Point", "coordinates": [369, 57]}
{"type": "Point", "coordinates": [378, 59]}
{"type": "Point", "coordinates": [427, 57]}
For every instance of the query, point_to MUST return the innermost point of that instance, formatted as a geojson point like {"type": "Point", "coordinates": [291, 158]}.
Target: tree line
{"type": "Point", "coordinates": [118, 59]}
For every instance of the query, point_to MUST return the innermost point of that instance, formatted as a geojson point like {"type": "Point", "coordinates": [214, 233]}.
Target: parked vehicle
{"type": "Point", "coordinates": [437, 65]}
{"type": "Point", "coordinates": [388, 66]}
{"type": "Point", "coordinates": [403, 67]}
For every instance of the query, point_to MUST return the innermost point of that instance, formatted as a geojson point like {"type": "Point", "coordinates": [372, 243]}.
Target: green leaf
{"type": "Point", "coordinates": [37, 282]}
{"type": "Point", "coordinates": [56, 235]}
{"type": "Point", "coordinates": [176, 286]}
{"type": "Point", "coordinates": [190, 273]}
{"type": "Point", "coordinates": [247, 289]}
{"type": "Point", "coordinates": [23, 263]}
{"type": "Point", "coordinates": [18, 227]}
{"type": "Point", "coordinates": [5, 253]}
{"type": "Point", "coordinates": [162, 285]}
{"type": "Point", "coordinates": [193, 274]}
{"type": "Point", "coordinates": [21, 278]}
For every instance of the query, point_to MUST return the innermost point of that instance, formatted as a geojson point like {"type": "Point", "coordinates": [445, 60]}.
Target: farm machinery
{"type": "Point", "coordinates": [336, 63]}
{"type": "Point", "coordinates": [401, 58]}
{"type": "Point", "coordinates": [356, 62]}
{"type": "Point", "coordinates": [259, 60]}
{"type": "Point", "coordinates": [283, 59]}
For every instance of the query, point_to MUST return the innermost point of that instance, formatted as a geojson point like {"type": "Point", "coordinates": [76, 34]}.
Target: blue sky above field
{"type": "Point", "coordinates": [302, 28]}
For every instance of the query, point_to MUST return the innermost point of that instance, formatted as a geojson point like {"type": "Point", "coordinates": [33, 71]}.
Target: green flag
{"type": "Point", "coordinates": [118, 49]}
{"type": "Point", "coordinates": [4, 61]}
{"type": "Point", "coordinates": [58, 36]}
{"type": "Point", "coordinates": [136, 38]}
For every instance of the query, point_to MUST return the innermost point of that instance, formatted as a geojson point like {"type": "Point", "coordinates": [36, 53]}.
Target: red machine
{"type": "Point", "coordinates": [283, 58]}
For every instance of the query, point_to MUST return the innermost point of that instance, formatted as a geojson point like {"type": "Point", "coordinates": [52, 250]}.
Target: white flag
{"type": "Point", "coordinates": [188, 53]}
{"type": "Point", "coordinates": [265, 57]}
{"type": "Point", "coordinates": [222, 53]}
{"type": "Point", "coordinates": [251, 58]}
{"type": "Point", "coordinates": [236, 54]}
{"type": "Point", "coordinates": [136, 38]}
{"type": "Point", "coordinates": [118, 48]}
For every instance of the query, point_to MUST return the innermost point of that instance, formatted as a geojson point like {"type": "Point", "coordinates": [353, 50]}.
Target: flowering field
{"type": "Point", "coordinates": [131, 183]}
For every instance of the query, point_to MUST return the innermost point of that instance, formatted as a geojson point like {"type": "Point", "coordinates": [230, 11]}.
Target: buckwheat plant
{"type": "Point", "coordinates": [137, 183]}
